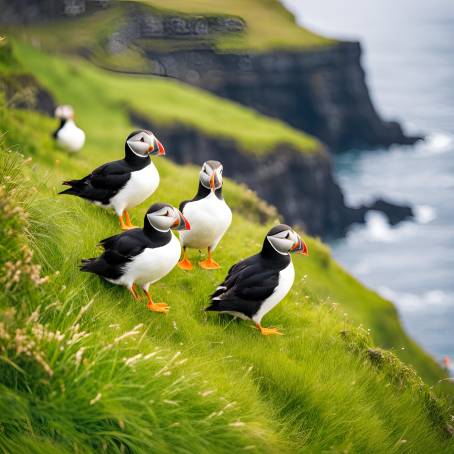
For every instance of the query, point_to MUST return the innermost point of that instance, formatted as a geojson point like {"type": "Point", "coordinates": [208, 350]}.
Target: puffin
{"type": "Point", "coordinates": [209, 215]}
{"type": "Point", "coordinates": [123, 184]}
{"type": "Point", "coordinates": [255, 285]}
{"type": "Point", "coordinates": [141, 256]}
{"type": "Point", "coordinates": [68, 135]}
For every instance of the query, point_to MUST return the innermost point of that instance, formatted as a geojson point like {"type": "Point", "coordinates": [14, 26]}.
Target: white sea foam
{"type": "Point", "coordinates": [411, 301]}
{"type": "Point", "coordinates": [378, 228]}
{"type": "Point", "coordinates": [424, 214]}
{"type": "Point", "coordinates": [437, 142]}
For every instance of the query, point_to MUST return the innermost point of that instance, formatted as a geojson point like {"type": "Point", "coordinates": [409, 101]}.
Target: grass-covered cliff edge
{"type": "Point", "coordinates": [252, 52]}
{"type": "Point", "coordinates": [83, 368]}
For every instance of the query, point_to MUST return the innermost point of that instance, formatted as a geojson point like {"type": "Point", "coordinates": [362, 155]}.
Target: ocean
{"type": "Point", "coordinates": [408, 55]}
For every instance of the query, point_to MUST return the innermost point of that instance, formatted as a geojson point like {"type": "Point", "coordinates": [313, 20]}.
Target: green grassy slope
{"type": "Point", "coordinates": [165, 101]}
{"type": "Point", "coordinates": [189, 382]}
{"type": "Point", "coordinates": [269, 27]}
{"type": "Point", "coordinates": [269, 24]}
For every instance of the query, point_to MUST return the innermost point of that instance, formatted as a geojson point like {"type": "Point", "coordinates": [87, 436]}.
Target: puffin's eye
{"type": "Point", "coordinates": [142, 139]}
{"type": "Point", "coordinates": [287, 236]}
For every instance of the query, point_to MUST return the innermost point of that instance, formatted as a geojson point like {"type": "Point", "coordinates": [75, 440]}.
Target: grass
{"type": "Point", "coordinates": [269, 24]}
{"type": "Point", "coordinates": [91, 370]}
{"type": "Point", "coordinates": [165, 101]}
{"type": "Point", "coordinates": [269, 27]}
{"type": "Point", "coordinates": [8, 61]}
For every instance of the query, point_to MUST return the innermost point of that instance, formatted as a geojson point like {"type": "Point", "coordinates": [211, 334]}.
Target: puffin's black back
{"type": "Point", "coordinates": [107, 180]}
{"type": "Point", "coordinates": [122, 248]}
{"type": "Point", "coordinates": [250, 282]}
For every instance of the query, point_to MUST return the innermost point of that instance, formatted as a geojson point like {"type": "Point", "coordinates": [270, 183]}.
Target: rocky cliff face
{"type": "Point", "coordinates": [21, 12]}
{"type": "Point", "coordinates": [300, 185]}
{"type": "Point", "coordinates": [321, 91]}
{"type": "Point", "coordinates": [20, 89]}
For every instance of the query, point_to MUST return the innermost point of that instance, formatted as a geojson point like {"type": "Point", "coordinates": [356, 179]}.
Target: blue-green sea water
{"type": "Point", "coordinates": [409, 61]}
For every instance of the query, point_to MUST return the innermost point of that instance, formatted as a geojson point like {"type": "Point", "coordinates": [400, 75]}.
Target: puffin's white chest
{"type": "Point", "coordinates": [139, 187]}
{"type": "Point", "coordinates": [209, 219]}
{"type": "Point", "coordinates": [152, 264]}
{"type": "Point", "coordinates": [71, 137]}
{"type": "Point", "coordinates": [286, 278]}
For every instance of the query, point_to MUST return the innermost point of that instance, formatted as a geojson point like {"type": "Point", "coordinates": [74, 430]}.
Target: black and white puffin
{"type": "Point", "coordinates": [209, 215]}
{"type": "Point", "coordinates": [142, 256]}
{"type": "Point", "coordinates": [68, 135]}
{"type": "Point", "coordinates": [255, 285]}
{"type": "Point", "coordinates": [126, 183]}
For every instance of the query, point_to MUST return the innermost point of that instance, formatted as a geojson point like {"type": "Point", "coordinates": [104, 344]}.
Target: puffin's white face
{"type": "Point", "coordinates": [64, 112]}
{"type": "Point", "coordinates": [168, 217]}
{"type": "Point", "coordinates": [211, 175]}
{"type": "Point", "coordinates": [287, 241]}
{"type": "Point", "coordinates": [144, 143]}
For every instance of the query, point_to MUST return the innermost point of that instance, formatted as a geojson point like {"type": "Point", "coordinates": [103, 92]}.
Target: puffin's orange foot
{"type": "Point", "coordinates": [269, 331]}
{"type": "Point", "coordinates": [209, 264]}
{"type": "Point", "coordinates": [128, 222]}
{"type": "Point", "coordinates": [158, 307]}
{"type": "Point", "coordinates": [185, 264]}
{"type": "Point", "coordinates": [134, 293]}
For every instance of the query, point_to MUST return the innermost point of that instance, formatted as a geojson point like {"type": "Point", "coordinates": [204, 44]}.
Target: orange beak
{"type": "Point", "coordinates": [187, 226]}
{"type": "Point", "coordinates": [182, 223]}
{"type": "Point", "coordinates": [212, 185]}
{"type": "Point", "coordinates": [300, 247]}
{"type": "Point", "coordinates": [161, 148]}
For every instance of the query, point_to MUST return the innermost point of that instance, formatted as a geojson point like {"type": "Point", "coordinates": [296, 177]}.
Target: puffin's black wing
{"type": "Point", "coordinates": [247, 285]}
{"type": "Point", "coordinates": [124, 246]}
{"type": "Point", "coordinates": [102, 184]}
{"type": "Point", "coordinates": [118, 251]}
{"type": "Point", "coordinates": [55, 133]}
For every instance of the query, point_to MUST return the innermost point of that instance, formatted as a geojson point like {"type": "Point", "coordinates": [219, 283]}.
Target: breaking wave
{"type": "Point", "coordinates": [424, 214]}
{"type": "Point", "coordinates": [437, 142]}
{"type": "Point", "coordinates": [418, 301]}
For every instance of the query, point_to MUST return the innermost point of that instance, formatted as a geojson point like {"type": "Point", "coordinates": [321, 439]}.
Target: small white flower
{"type": "Point", "coordinates": [79, 355]}
{"type": "Point", "coordinates": [237, 424]}
{"type": "Point", "coordinates": [95, 399]}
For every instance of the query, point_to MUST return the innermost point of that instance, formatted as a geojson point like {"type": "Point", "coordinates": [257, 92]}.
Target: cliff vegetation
{"type": "Point", "coordinates": [84, 368]}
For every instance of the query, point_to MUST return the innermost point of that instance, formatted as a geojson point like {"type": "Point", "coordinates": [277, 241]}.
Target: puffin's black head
{"type": "Point", "coordinates": [211, 175]}
{"type": "Point", "coordinates": [143, 143]}
{"type": "Point", "coordinates": [163, 217]}
{"type": "Point", "coordinates": [284, 240]}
